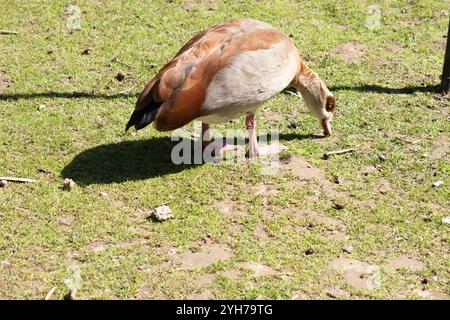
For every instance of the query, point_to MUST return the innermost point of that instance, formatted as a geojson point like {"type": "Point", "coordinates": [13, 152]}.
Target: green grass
{"type": "Point", "coordinates": [383, 100]}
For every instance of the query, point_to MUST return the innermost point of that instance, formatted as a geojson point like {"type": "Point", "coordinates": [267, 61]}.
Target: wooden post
{"type": "Point", "coordinates": [445, 80]}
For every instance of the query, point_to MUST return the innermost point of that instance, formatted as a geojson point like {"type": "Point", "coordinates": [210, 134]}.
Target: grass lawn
{"type": "Point", "coordinates": [236, 232]}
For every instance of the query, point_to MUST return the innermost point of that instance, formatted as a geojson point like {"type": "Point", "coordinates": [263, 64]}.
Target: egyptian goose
{"type": "Point", "coordinates": [226, 71]}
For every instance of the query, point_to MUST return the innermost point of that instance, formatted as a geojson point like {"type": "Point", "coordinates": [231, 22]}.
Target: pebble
{"type": "Point", "coordinates": [310, 251]}
{"type": "Point", "coordinates": [121, 76]}
{"type": "Point", "coordinates": [69, 184]}
{"type": "Point", "coordinates": [161, 213]}
{"type": "Point", "coordinates": [348, 249]}
{"type": "Point", "coordinates": [87, 51]}
{"type": "Point", "coordinates": [438, 183]}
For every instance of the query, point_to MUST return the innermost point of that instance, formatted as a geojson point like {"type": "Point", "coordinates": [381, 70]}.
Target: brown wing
{"type": "Point", "coordinates": [180, 86]}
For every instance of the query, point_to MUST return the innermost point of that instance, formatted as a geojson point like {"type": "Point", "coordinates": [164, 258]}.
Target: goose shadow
{"type": "Point", "coordinates": [124, 161]}
{"type": "Point", "coordinates": [134, 160]}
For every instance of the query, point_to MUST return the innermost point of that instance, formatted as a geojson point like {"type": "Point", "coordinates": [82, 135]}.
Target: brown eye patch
{"type": "Point", "coordinates": [330, 104]}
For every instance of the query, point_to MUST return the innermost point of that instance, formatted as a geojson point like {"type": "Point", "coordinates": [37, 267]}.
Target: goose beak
{"type": "Point", "coordinates": [326, 125]}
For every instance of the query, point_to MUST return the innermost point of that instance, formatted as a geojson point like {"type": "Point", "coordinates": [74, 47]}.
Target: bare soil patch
{"type": "Point", "coordinates": [206, 256]}
{"type": "Point", "coordinates": [316, 217]}
{"type": "Point", "coordinates": [259, 270]}
{"type": "Point", "coordinates": [206, 295]}
{"type": "Point", "coordinates": [350, 52]}
{"type": "Point", "coordinates": [229, 209]}
{"type": "Point", "coordinates": [359, 275]}
{"type": "Point", "coordinates": [440, 148]}
{"type": "Point", "coordinates": [261, 233]}
{"type": "Point", "coordinates": [431, 294]}
{"type": "Point", "coordinates": [303, 170]}
{"type": "Point", "coordinates": [97, 247]}
{"type": "Point", "coordinates": [231, 274]}
{"type": "Point", "coordinates": [406, 262]}
{"type": "Point", "coordinates": [4, 82]}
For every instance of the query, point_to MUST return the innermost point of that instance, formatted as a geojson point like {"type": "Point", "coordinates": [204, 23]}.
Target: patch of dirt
{"type": "Point", "coordinates": [440, 44]}
{"type": "Point", "coordinates": [368, 203]}
{"type": "Point", "coordinates": [236, 228]}
{"type": "Point", "coordinates": [330, 222]}
{"type": "Point", "coordinates": [350, 52]}
{"type": "Point", "coordinates": [266, 192]}
{"type": "Point", "coordinates": [440, 148]}
{"type": "Point", "coordinates": [406, 262]}
{"type": "Point", "coordinates": [64, 221]}
{"type": "Point", "coordinates": [4, 82]}
{"type": "Point", "coordinates": [146, 292]}
{"type": "Point", "coordinates": [232, 274]}
{"type": "Point", "coordinates": [359, 275]}
{"type": "Point", "coordinates": [337, 293]}
{"type": "Point", "coordinates": [367, 170]}
{"type": "Point", "coordinates": [306, 172]}
{"type": "Point", "coordinates": [208, 255]}
{"type": "Point", "coordinates": [228, 209]}
{"type": "Point", "coordinates": [302, 169]}
{"type": "Point", "coordinates": [300, 296]}
{"type": "Point", "coordinates": [205, 279]}
{"type": "Point", "coordinates": [431, 295]}
{"type": "Point", "coordinates": [384, 186]}
{"type": "Point", "coordinates": [259, 270]}
{"type": "Point", "coordinates": [97, 247]}
{"type": "Point", "coordinates": [261, 233]}
{"type": "Point", "coordinates": [206, 295]}
{"type": "Point", "coordinates": [271, 116]}
{"type": "Point", "coordinates": [338, 236]}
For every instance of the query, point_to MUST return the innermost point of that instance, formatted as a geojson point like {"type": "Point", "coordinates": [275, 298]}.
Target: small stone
{"type": "Point", "coordinates": [310, 225]}
{"type": "Point", "coordinates": [69, 184]}
{"type": "Point", "coordinates": [382, 157]}
{"type": "Point", "coordinates": [446, 220]}
{"type": "Point", "coordinates": [161, 213]}
{"type": "Point", "coordinates": [42, 107]}
{"type": "Point", "coordinates": [337, 293]}
{"type": "Point", "coordinates": [103, 194]}
{"type": "Point", "coordinates": [207, 240]}
{"type": "Point", "coordinates": [339, 206]}
{"type": "Point", "coordinates": [121, 76]}
{"type": "Point", "coordinates": [348, 249]}
{"type": "Point", "coordinates": [3, 183]}
{"type": "Point", "coordinates": [63, 221]}
{"type": "Point", "coordinates": [310, 251]}
{"type": "Point", "coordinates": [438, 183]}
{"type": "Point", "coordinates": [45, 171]}
{"type": "Point", "coordinates": [87, 51]}
{"type": "Point", "coordinates": [338, 180]}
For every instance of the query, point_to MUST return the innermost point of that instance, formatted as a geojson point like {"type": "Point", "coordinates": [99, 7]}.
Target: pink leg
{"type": "Point", "coordinates": [254, 149]}
{"type": "Point", "coordinates": [206, 139]}
{"type": "Point", "coordinates": [217, 146]}
{"type": "Point", "coordinates": [250, 124]}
